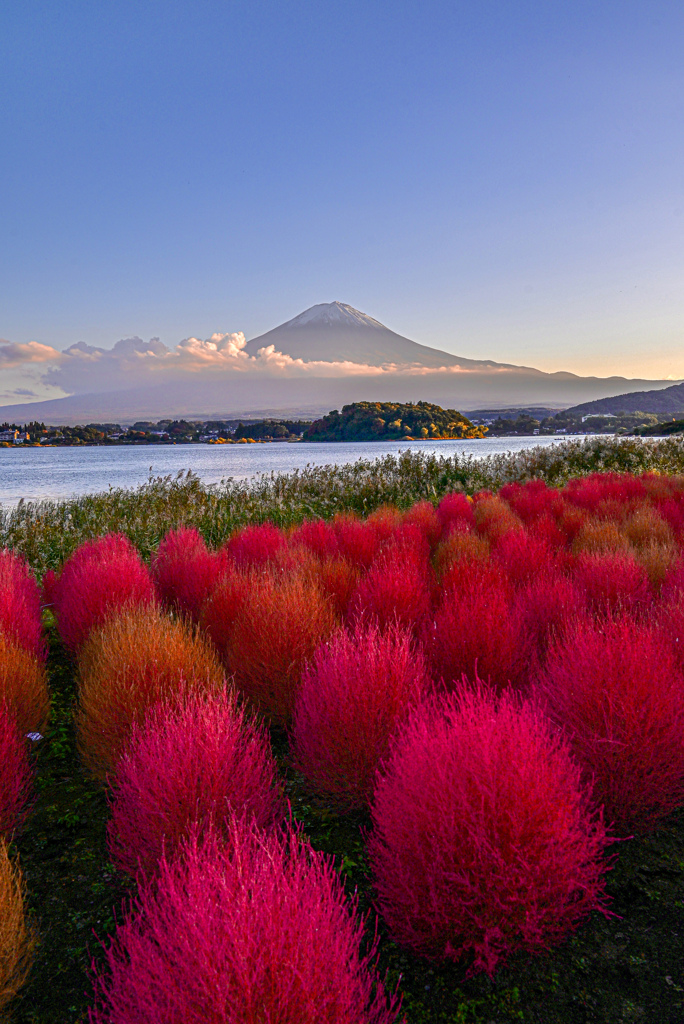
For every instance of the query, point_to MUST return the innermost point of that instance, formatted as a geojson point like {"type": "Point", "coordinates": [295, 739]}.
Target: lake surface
{"type": "Point", "coordinates": [58, 473]}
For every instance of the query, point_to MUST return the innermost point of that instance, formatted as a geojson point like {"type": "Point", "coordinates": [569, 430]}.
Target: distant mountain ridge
{"type": "Point", "coordinates": [669, 400]}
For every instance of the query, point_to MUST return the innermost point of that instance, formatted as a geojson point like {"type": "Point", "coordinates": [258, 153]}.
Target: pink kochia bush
{"type": "Point", "coordinates": [198, 765]}
{"type": "Point", "coordinates": [16, 776]}
{"type": "Point", "coordinates": [20, 604]}
{"type": "Point", "coordinates": [185, 571]}
{"type": "Point", "coordinates": [355, 691]}
{"type": "Point", "coordinates": [483, 839]}
{"type": "Point", "coordinates": [102, 576]}
{"type": "Point", "coordinates": [251, 931]}
{"type": "Point", "coordinates": [617, 690]}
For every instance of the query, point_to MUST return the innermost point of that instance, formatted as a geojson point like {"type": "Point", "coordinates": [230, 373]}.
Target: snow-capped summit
{"type": "Point", "coordinates": [334, 314]}
{"type": "Point", "coordinates": [336, 332]}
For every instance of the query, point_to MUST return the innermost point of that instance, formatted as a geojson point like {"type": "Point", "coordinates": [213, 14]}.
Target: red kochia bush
{"type": "Point", "coordinates": [613, 583]}
{"type": "Point", "coordinates": [547, 606]}
{"type": "Point", "coordinates": [258, 930]}
{"type": "Point", "coordinates": [394, 590]}
{"type": "Point", "coordinates": [100, 577]}
{"type": "Point", "coordinates": [483, 840]}
{"type": "Point", "coordinates": [424, 515]}
{"type": "Point", "coordinates": [265, 649]}
{"type": "Point", "coordinates": [185, 571]}
{"type": "Point", "coordinates": [523, 556]}
{"type": "Point", "coordinates": [455, 512]}
{"type": "Point", "coordinates": [354, 692]}
{"type": "Point", "coordinates": [617, 689]}
{"type": "Point", "coordinates": [196, 765]}
{"type": "Point", "coordinates": [255, 545]}
{"type": "Point", "coordinates": [357, 541]}
{"type": "Point", "coordinates": [476, 629]}
{"type": "Point", "coordinates": [20, 604]}
{"type": "Point", "coordinates": [15, 775]}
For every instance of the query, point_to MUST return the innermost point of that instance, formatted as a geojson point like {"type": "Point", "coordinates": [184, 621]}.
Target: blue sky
{"type": "Point", "coordinates": [501, 180]}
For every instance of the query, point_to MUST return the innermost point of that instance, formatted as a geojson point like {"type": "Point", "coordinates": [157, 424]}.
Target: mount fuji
{"type": "Point", "coordinates": [336, 332]}
{"type": "Point", "coordinates": [328, 356]}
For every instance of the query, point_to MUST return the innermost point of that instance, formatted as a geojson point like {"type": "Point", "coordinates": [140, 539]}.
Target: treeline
{"type": "Point", "coordinates": [388, 421]}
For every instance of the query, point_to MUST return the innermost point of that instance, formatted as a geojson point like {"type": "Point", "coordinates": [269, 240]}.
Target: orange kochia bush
{"type": "Point", "coordinates": [23, 687]}
{"type": "Point", "coordinates": [138, 658]}
{"type": "Point", "coordinates": [16, 940]}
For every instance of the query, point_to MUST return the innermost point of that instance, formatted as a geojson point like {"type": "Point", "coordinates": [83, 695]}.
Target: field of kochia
{"type": "Point", "coordinates": [422, 764]}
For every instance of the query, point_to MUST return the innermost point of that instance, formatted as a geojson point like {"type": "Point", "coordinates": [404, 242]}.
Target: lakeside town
{"type": "Point", "coordinates": [490, 423]}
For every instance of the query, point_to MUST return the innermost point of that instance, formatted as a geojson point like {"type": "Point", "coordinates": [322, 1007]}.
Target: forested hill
{"type": "Point", "coordinates": [387, 421]}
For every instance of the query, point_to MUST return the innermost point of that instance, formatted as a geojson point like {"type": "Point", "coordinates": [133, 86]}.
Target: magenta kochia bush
{"type": "Point", "coordinates": [483, 840]}
{"type": "Point", "coordinates": [196, 765]}
{"type": "Point", "coordinates": [100, 577]}
{"type": "Point", "coordinates": [356, 689]}
{"type": "Point", "coordinates": [185, 571]}
{"type": "Point", "coordinates": [251, 931]}
{"type": "Point", "coordinates": [616, 688]}
{"type": "Point", "coordinates": [16, 776]}
{"type": "Point", "coordinates": [20, 604]}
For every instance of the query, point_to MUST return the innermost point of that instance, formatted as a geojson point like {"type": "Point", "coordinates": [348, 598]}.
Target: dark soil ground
{"type": "Point", "coordinates": [625, 968]}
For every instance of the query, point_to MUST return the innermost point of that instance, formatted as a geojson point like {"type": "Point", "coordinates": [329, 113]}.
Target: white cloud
{"type": "Point", "coordinates": [14, 354]}
{"type": "Point", "coordinates": [132, 362]}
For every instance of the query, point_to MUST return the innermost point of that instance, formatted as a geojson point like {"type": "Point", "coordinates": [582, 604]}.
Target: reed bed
{"type": "Point", "coordinates": [47, 532]}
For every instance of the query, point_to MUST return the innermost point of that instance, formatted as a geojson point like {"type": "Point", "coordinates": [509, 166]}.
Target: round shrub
{"type": "Point", "coordinates": [617, 690]}
{"type": "Point", "coordinates": [613, 583]}
{"type": "Point", "coordinates": [16, 776]}
{"type": "Point", "coordinates": [136, 659]}
{"type": "Point", "coordinates": [483, 841]}
{"type": "Point", "coordinates": [255, 545]}
{"type": "Point", "coordinates": [23, 687]}
{"type": "Point", "coordinates": [396, 589]}
{"type": "Point", "coordinates": [196, 765]}
{"type": "Point", "coordinates": [266, 647]}
{"type": "Point", "coordinates": [477, 630]}
{"type": "Point", "coordinates": [100, 577]}
{"type": "Point", "coordinates": [355, 690]}
{"type": "Point", "coordinates": [257, 929]}
{"type": "Point", "coordinates": [20, 605]}
{"type": "Point", "coordinates": [16, 940]}
{"type": "Point", "coordinates": [185, 571]}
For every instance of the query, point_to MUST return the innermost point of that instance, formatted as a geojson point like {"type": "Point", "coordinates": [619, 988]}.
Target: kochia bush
{"type": "Point", "coordinates": [355, 691]}
{"type": "Point", "coordinates": [477, 629]}
{"type": "Point", "coordinates": [257, 929]}
{"type": "Point", "coordinates": [23, 687]}
{"type": "Point", "coordinates": [135, 660]}
{"type": "Point", "coordinates": [16, 776]}
{"type": "Point", "coordinates": [185, 571]}
{"type": "Point", "coordinates": [20, 604]}
{"type": "Point", "coordinates": [483, 840]}
{"type": "Point", "coordinates": [617, 689]}
{"type": "Point", "coordinates": [16, 940]}
{"type": "Point", "coordinates": [395, 590]}
{"type": "Point", "coordinates": [268, 643]}
{"type": "Point", "coordinates": [197, 765]}
{"type": "Point", "coordinates": [100, 577]}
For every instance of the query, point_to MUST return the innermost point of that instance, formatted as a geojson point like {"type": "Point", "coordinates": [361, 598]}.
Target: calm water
{"type": "Point", "coordinates": [56, 473]}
